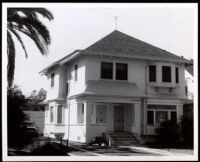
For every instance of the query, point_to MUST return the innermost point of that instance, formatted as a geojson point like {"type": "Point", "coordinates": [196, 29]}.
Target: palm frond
{"type": "Point", "coordinates": [19, 39]}
{"type": "Point", "coordinates": [11, 59]}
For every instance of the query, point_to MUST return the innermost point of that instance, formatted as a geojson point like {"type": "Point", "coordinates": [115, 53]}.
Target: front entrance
{"type": "Point", "coordinates": [118, 118]}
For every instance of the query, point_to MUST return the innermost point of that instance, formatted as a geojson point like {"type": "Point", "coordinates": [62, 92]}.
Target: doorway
{"type": "Point", "coordinates": [118, 118]}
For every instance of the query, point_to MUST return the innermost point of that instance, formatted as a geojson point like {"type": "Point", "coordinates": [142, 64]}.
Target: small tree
{"type": "Point", "coordinates": [16, 118]}
{"type": "Point", "coordinates": [168, 132]}
{"type": "Point", "coordinates": [187, 128]}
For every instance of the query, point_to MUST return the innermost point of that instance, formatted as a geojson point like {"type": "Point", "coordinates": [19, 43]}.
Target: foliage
{"type": "Point", "coordinates": [168, 132]}
{"type": "Point", "coordinates": [50, 149]}
{"type": "Point", "coordinates": [187, 130]}
{"type": "Point", "coordinates": [33, 101]}
{"type": "Point", "coordinates": [25, 21]}
{"type": "Point", "coordinates": [16, 118]}
{"type": "Point", "coordinates": [98, 140]}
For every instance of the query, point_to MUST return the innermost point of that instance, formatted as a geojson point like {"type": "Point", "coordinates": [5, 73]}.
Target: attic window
{"type": "Point", "coordinates": [76, 72]}
{"type": "Point", "coordinates": [106, 70]}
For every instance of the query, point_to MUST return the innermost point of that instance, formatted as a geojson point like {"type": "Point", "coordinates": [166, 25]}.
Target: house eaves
{"type": "Point", "coordinates": [61, 61]}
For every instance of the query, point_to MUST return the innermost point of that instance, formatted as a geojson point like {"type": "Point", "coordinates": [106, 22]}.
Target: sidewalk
{"type": "Point", "coordinates": [85, 150]}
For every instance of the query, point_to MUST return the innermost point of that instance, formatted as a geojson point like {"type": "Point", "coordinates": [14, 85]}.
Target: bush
{"type": "Point", "coordinates": [187, 128]}
{"type": "Point", "coordinates": [50, 149]}
{"type": "Point", "coordinates": [98, 141]}
{"type": "Point", "coordinates": [168, 132]}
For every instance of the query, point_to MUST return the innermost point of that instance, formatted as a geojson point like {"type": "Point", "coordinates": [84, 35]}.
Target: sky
{"type": "Point", "coordinates": [169, 27]}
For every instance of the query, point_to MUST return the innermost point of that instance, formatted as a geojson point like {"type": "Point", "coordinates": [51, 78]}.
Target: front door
{"type": "Point", "coordinates": [119, 118]}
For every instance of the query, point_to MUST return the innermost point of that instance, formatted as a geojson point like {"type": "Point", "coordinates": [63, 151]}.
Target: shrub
{"type": "Point", "coordinates": [187, 130]}
{"type": "Point", "coordinates": [98, 140]}
{"type": "Point", "coordinates": [50, 149]}
{"type": "Point", "coordinates": [168, 132]}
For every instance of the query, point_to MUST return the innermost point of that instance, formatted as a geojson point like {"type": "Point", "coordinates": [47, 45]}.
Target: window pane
{"type": "Point", "coordinates": [161, 116]}
{"type": "Point", "coordinates": [59, 114]}
{"type": "Point", "coordinates": [150, 118]}
{"type": "Point", "coordinates": [177, 76]}
{"type": "Point", "coordinates": [121, 71]}
{"type": "Point", "coordinates": [80, 113]}
{"type": "Point", "coordinates": [106, 70]}
{"type": "Point", "coordinates": [166, 74]}
{"type": "Point", "coordinates": [152, 73]}
{"type": "Point", "coordinates": [76, 72]}
{"type": "Point", "coordinates": [52, 79]}
{"type": "Point", "coordinates": [101, 113]}
{"type": "Point", "coordinates": [173, 116]}
{"type": "Point", "coordinates": [51, 114]}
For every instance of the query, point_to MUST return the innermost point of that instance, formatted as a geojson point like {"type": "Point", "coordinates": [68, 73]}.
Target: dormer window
{"type": "Point", "coordinates": [121, 71]}
{"type": "Point", "coordinates": [52, 80]}
{"type": "Point", "coordinates": [166, 73]}
{"type": "Point", "coordinates": [106, 70]}
{"type": "Point", "coordinates": [152, 73]}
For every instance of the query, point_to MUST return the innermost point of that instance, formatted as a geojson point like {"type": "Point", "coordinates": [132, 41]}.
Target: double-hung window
{"type": "Point", "coordinates": [152, 73]}
{"type": "Point", "coordinates": [60, 114]}
{"type": "Point", "coordinates": [177, 75]}
{"type": "Point", "coordinates": [76, 72]}
{"type": "Point", "coordinates": [51, 114]}
{"type": "Point", "coordinates": [106, 70]}
{"type": "Point", "coordinates": [121, 71]}
{"type": "Point", "coordinates": [166, 73]}
{"type": "Point", "coordinates": [80, 113]}
{"type": "Point", "coordinates": [52, 80]}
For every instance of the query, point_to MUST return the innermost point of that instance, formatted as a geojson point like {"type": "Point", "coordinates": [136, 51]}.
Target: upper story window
{"type": "Point", "coordinates": [152, 73]}
{"type": "Point", "coordinates": [166, 73]}
{"type": "Point", "coordinates": [76, 72]}
{"type": "Point", "coordinates": [67, 88]}
{"type": "Point", "coordinates": [106, 70]}
{"type": "Point", "coordinates": [177, 75]}
{"type": "Point", "coordinates": [60, 114]}
{"type": "Point", "coordinates": [52, 80]}
{"type": "Point", "coordinates": [121, 71]}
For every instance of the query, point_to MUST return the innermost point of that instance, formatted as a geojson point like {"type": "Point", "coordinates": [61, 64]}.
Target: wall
{"type": "Point", "coordinates": [136, 74]}
{"type": "Point", "coordinates": [38, 118]}
{"type": "Point", "coordinates": [76, 87]}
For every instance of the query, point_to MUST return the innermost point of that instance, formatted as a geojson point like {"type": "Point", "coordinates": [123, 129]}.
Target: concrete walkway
{"type": "Point", "coordinates": [85, 150]}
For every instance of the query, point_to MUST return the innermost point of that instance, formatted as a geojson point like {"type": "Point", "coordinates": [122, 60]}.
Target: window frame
{"type": "Point", "coordinates": [101, 72]}
{"type": "Point", "coordinates": [80, 120]}
{"type": "Point", "coordinates": [76, 72]}
{"type": "Point", "coordinates": [154, 75]}
{"type": "Point", "coordinates": [177, 75]}
{"type": "Point", "coordinates": [165, 76]}
{"type": "Point", "coordinates": [169, 110]}
{"type": "Point", "coordinates": [52, 79]}
{"type": "Point", "coordinates": [52, 114]}
{"type": "Point", "coordinates": [126, 64]}
{"type": "Point", "coordinates": [62, 113]}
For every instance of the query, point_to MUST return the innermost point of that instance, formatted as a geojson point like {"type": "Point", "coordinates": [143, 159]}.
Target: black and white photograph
{"type": "Point", "coordinates": [99, 81]}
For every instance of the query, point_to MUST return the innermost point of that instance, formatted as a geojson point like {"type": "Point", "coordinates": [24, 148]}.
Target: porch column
{"type": "Point", "coordinates": [179, 110]}
{"type": "Point", "coordinates": [137, 117]}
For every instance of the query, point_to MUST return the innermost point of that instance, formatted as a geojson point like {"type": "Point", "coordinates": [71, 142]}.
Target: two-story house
{"type": "Point", "coordinates": [118, 84]}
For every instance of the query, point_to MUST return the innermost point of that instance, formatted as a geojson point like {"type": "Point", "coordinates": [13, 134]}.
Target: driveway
{"type": "Point", "coordinates": [85, 150]}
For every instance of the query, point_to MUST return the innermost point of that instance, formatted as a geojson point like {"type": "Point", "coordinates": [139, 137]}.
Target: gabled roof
{"type": "Point", "coordinates": [118, 44]}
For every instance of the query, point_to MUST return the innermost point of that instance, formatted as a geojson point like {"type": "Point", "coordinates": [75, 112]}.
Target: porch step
{"type": "Point", "coordinates": [121, 138]}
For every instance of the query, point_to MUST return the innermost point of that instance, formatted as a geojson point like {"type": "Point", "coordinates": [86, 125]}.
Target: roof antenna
{"type": "Point", "coordinates": [115, 22]}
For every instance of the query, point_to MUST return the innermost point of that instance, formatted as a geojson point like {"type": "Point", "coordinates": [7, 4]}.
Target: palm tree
{"type": "Point", "coordinates": [26, 21]}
